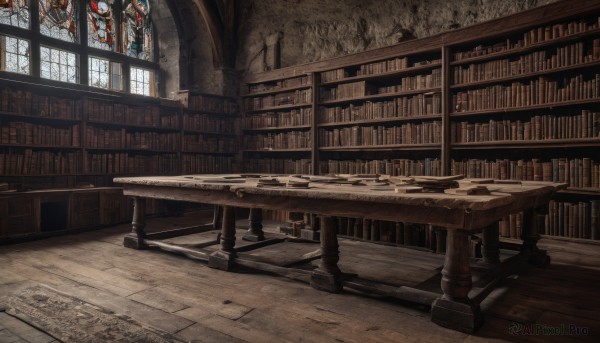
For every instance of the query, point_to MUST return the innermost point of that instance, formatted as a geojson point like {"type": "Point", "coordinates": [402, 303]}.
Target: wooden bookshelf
{"type": "Point", "coordinates": [210, 133]}
{"type": "Point", "coordinates": [55, 139]}
{"type": "Point", "coordinates": [514, 98]}
{"type": "Point", "coordinates": [277, 124]}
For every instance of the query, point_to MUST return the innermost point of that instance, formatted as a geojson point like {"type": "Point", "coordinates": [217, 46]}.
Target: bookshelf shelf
{"type": "Point", "coordinates": [40, 146]}
{"type": "Point", "coordinates": [385, 75]}
{"type": "Point", "coordinates": [527, 108]}
{"type": "Point", "coordinates": [429, 91]}
{"type": "Point", "coordinates": [35, 118]}
{"type": "Point", "coordinates": [267, 151]}
{"type": "Point", "coordinates": [381, 120]}
{"type": "Point", "coordinates": [275, 91]}
{"type": "Point", "coordinates": [525, 49]}
{"type": "Point", "coordinates": [134, 150]}
{"type": "Point", "coordinates": [383, 147]}
{"type": "Point", "coordinates": [132, 126]}
{"type": "Point", "coordinates": [528, 144]}
{"type": "Point", "coordinates": [277, 128]}
{"type": "Point", "coordinates": [211, 113]}
{"type": "Point", "coordinates": [279, 108]}
{"type": "Point", "coordinates": [210, 133]}
{"type": "Point", "coordinates": [551, 71]}
{"type": "Point", "coordinates": [195, 152]}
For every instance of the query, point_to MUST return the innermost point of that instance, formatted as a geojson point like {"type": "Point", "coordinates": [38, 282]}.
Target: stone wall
{"type": "Point", "coordinates": [313, 30]}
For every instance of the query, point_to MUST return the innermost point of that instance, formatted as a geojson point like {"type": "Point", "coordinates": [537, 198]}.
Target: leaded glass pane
{"type": "Point", "coordinates": [14, 55]}
{"type": "Point", "coordinates": [58, 19]}
{"type": "Point", "coordinates": [104, 73]}
{"type": "Point", "coordinates": [58, 65]}
{"type": "Point", "coordinates": [141, 81]}
{"type": "Point", "coordinates": [137, 34]}
{"type": "Point", "coordinates": [101, 24]}
{"type": "Point", "coordinates": [15, 13]}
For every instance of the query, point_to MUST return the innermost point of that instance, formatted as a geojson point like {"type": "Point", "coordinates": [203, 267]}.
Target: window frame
{"type": "Point", "coordinates": [81, 49]}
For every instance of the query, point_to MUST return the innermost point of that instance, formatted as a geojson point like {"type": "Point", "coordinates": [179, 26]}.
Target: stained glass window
{"type": "Point", "coordinates": [15, 13]}
{"type": "Point", "coordinates": [14, 55]}
{"type": "Point", "coordinates": [59, 65]}
{"type": "Point", "coordinates": [101, 24]}
{"type": "Point", "coordinates": [136, 34]}
{"type": "Point", "coordinates": [58, 19]}
{"type": "Point", "coordinates": [104, 73]}
{"type": "Point", "coordinates": [142, 81]}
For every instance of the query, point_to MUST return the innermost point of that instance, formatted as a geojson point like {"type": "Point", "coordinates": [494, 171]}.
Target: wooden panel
{"type": "Point", "coordinates": [85, 210]}
{"type": "Point", "coordinates": [114, 207]}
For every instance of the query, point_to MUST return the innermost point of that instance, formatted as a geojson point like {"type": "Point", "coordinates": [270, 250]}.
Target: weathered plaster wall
{"type": "Point", "coordinates": [167, 38]}
{"type": "Point", "coordinates": [312, 30]}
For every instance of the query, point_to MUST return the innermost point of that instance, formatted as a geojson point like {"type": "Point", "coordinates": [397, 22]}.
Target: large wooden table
{"type": "Point", "coordinates": [462, 215]}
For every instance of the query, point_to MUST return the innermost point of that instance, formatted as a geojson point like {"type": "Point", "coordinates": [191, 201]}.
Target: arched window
{"type": "Point", "coordinates": [59, 40]}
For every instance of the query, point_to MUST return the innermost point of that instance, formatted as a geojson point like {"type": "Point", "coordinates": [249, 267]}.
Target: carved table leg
{"type": "Point", "coordinates": [532, 221]}
{"type": "Point", "coordinates": [225, 257]}
{"type": "Point", "coordinates": [454, 309]}
{"type": "Point", "coordinates": [255, 232]}
{"type": "Point", "coordinates": [490, 249]}
{"type": "Point", "coordinates": [135, 239]}
{"type": "Point", "coordinates": [328, 276]}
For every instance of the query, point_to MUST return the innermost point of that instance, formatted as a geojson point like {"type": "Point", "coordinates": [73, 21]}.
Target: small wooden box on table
{"type": "Point", "coordinates": [461, 213]}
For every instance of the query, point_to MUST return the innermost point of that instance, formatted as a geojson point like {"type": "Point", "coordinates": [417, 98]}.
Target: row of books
{"type": "Point", "coordinates": [511, 226]}
{"type": "Point", "coordinates": [33, 134]}
{"type": "Point", "coordinates": [537, 92]}
{"type": "Point", "coordinates": [123, 139]}
{"type": "Point", "coordinates": [534, 36]}
{"type": "Point", "coordinates": [393, 64]}
{"type": "Point", "coordinates": [209, 123]}
{"type": "Point", "coordinates": [27, 103]}
{"type": "Point", "coordinates": [304, 80]}
{"type": "Point", "coordinates": [206, 164]}
{"type": "Point", "coordinates": [410, 133]}
{"type": "Point", "coordinates": [124, 163]}
{"type": "Point", "coordinates": [278, 166]}
{"type": "Point", "coordinates": [288, 98]}
{"type": "Point", "coordinates": [348, 90]}
{"type": "Point", "coordinates": [575, 220]}
{"type": "Point", "coordinates": [286, 140]}
{"type": "Point", "coordinates": [209, 143]}
{"type": "Point", "coordinates": [420, 235]}
{"type": "Point", "coordinates": [585, 125]}
{"type": "Point", "coordinates": [149, 115]}
{"type": "Point", "coordinates": [570, 55]}
{"type": "Point", "coordinates": [363, 88]}
{"type": "Point", "coordinates": [30, 162]}
{"type": "Point", "coordinates": [208, 103]}
{"type": "Point", "coordinates": [401, 107]}
{"type": "Point", "coordinates": [393, 167]}
{"type": "Point", "coordinates": [295, 117]}
{"type": "Point", "coordinates": [577, 172]}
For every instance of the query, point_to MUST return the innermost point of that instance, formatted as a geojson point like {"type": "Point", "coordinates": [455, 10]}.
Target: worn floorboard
{"type": "Point", "coordinates": [186, 298]}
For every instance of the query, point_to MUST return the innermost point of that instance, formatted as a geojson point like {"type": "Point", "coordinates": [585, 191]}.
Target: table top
{"type": "Point", "coordinates": [355, 196]}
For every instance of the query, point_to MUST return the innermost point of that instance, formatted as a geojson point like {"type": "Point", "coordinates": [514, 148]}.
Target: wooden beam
{"type": "Point", "coordinates": [214, 24]}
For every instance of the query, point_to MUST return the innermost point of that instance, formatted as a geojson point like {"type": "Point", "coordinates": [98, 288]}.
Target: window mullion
{"type": "Point", "coordinates": [83, 34]}
{"type": "Point", "coordinates": [35, 55]}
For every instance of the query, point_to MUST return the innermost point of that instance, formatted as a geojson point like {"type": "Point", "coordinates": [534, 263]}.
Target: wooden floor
{"type": "Point", "coordinates": [199, 304]}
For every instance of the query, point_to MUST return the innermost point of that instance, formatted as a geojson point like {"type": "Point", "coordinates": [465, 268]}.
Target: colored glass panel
{"type": "Point", "coordinates": [101, 24]}
{"type": "Point", "coordinates": [15, 13]}
{"type": "Point", "coordinates": [58, 19]}
{"type": "Point", "coordinates": [137, 35]}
